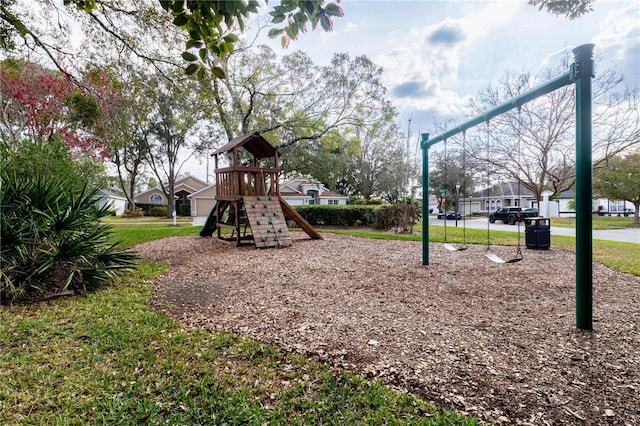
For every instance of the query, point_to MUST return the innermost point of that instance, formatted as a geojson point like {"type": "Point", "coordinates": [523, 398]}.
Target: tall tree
{"type": "Point", "coordinates": [171, 127]}
{"type": "Point", "coordinates": [619, 179]}
{"type": "Point", "coordinates": [39, 103]}
{"type": "Point", "coordinates": [207, 28]}
{"type": "Point", "coordinates": [448, 171]}
{"type": "Point", "coordinates": [536, 145]}
{"type": "Point", "coordinates": [571, 9]}
{"type": "Point", "coordinates": [293, 100]}
{"type": "Point", "coordinates": [314, 114]}
{"type": "Point", "coordinates": [125, 126]}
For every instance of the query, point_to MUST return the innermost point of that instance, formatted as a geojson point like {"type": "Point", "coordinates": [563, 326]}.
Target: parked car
{"type": "Point", "coordinates": [511, 215]}
{"type": "Point", "coordinates": [451, 215]}
{"type": "Point", "coordinates": [531, 212]}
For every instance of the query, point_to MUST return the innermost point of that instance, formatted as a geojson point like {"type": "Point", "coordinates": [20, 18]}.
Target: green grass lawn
{"type": "Point", "coordinates": [617, 255]}
{"type": "Point", "coordinates": [119, 220]}
{"type": "Point", "coordinates": [598, 222]}
{"type": "Point", "coordinates": [129, 235]}
{"type": "Point", "coordinates": [108, 358]}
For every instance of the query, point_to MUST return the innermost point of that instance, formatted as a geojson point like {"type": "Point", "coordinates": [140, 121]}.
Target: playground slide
{"type": "Point", "coordinates": [210, 224]}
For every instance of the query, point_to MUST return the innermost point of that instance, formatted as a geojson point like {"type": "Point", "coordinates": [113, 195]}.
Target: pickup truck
{"type": "Point", "coordinates": [511, 215]}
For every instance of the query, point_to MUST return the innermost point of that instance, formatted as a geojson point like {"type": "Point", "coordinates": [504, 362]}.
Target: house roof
{"type": "Point", "coordinates": [331, 194]}
{"type": "Point", "coordinates": [294, 194]}
{"type": "Point", "coordinates": [178, 183]}
{"type": "Point", "coordinates": [506, 189]}
{"type": "Point", "coordinates": [109, 194]}
{"type": "Point", "coordinates": [295, 186]}
{"type": "Point", "coordinates": [568, 194]}
{"type": "Point", "coordinates": [195, 194]}
{"type": "Point", "coordinates": [252, 142]}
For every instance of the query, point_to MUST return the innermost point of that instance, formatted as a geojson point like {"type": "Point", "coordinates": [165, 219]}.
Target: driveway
{"type": "Point", "coordinates": [627, 235]}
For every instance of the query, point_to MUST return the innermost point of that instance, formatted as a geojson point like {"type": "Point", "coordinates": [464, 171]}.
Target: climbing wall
{"type": "Point", "coordinates": [268, 224]}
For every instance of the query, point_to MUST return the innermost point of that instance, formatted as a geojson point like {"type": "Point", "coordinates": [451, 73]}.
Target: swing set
{"type": "Point", "coordinates": [488, 252]}
{"type": "Point", "coordinates": [446, 244]}
{"type": "Point", "coordinates": [580, 73]}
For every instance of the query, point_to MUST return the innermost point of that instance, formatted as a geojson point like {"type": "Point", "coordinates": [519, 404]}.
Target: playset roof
{"type": "Point", "coordinates": [252, 142]}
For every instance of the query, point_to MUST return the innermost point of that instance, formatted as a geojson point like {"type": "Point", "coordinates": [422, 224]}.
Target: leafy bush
{"type": "Point", "coordinates": [184, 210]}
{"type": "Point", "coordinates": [136, 213]}
{"type": "Point", "coordinates": [402, 216]}
{"type": "Point", "coordinates": [360, 200]}
{"type": "Point", "coordinates": [341, 215]}
{"type": "Point", "coordinates": [159, 211]}
{"type": "Point", "coordinates": [52, 239]}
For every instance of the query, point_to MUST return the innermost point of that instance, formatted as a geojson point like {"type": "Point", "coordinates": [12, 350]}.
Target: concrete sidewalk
{"type": "Point", "coordinates": [627, 235]}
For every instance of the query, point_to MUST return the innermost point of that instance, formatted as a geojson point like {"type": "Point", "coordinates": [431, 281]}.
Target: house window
{"type": "Point", "coordinates": [334, 201]}
{"type": "Point", "coordinates": [486, 205]}
{"type": "Point", "coordinates": [516, 202]}
{"type": "Point", "coordinates": [156, 199]}
{"type": "Point", "coordinates": [616, 206]}
{"type": "Point", "coordinates": [498, 204]}
{"type": "Point", "coordinates": [493, 205]}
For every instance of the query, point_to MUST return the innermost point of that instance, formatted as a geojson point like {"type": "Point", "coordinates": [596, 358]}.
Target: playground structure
{"type": "Point", "coordinates": [248, 196]}
{"type": "Point", "coordinates": [580, 73]}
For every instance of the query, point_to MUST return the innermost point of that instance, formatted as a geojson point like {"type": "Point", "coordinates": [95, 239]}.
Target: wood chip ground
{"type": "Point", "coordinates": [498, 342]}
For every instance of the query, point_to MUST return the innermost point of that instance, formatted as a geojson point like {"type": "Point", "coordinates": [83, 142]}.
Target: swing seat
{"type": "Point", "coordinates": [495, 258]}
{"type": "Point", "coordinates": [451, 247]}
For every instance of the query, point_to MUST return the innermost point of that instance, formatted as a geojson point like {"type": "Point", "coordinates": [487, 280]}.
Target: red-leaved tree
{"type": "Point", "coordinates": [38, 103]}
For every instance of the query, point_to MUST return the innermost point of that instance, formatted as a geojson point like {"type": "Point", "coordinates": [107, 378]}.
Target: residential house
{"type": "Point", "coordinates": [201, 203]}
{"type": "Point", "coordinates": [116, 202]}
{"type": "Point", "coordinates": [508, 194]}
{"type": "Point", "coordinates": [303, 190]}
{"type": "Point", "coordinates": [559, 206]}
{"type": "Point", "coordinates": [182, 189]}
{"type": "Point", "coordinates": [607, 207]}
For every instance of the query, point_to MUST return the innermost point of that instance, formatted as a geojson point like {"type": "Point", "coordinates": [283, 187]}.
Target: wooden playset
{"type": "Point", "coordinates": [248, 196]}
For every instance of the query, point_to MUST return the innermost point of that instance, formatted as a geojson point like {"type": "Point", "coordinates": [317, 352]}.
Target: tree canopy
{"type": "Point", "coordinates": [571, 9]}
{"type": "Point", "coordinates": [619, 179]}
{"type": "Point", "coordinates": [536, 144]}
{"type": "Point", "coordinates": [209, 29]}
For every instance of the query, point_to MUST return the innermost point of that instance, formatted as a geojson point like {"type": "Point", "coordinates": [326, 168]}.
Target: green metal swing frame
{"type": "Point", "coordinates": [580, 73]}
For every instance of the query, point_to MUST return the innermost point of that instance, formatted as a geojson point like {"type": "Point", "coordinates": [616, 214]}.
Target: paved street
{"type": "Point", "coordinates": [628, 235]}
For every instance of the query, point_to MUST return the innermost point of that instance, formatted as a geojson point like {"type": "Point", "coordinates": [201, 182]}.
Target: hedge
{"type": "Point", "coordinates": [381, 217]}
{"type": "Point", "coordinates": [337, 215]}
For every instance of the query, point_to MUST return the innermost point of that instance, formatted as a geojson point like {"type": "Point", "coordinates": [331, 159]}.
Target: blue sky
{"type": "Point", "coordinates": [436, 55]}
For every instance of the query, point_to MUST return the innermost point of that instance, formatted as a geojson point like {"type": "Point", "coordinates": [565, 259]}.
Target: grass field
{"type": "Point", "coordinates": [131, 234]}
{"type": "Point", "coordinates": [621, 256]}
{"type": "Point", "coordinates": [598, 222]}
{"type": "Point", "coordinates": [108, 358]}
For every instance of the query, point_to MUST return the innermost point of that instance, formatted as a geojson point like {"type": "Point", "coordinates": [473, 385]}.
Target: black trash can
{"type": "Point", "coordinates": [537, 233]}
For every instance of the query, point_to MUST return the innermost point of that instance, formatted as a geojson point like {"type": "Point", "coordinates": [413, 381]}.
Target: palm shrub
{"type": "Point", "coordinates": [52, 238]}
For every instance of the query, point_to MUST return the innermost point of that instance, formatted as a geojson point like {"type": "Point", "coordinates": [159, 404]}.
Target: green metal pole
{"type": "Point", "coordinates": [583, 72]}
{"type": "Point", "coordinates": [425, 198]}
